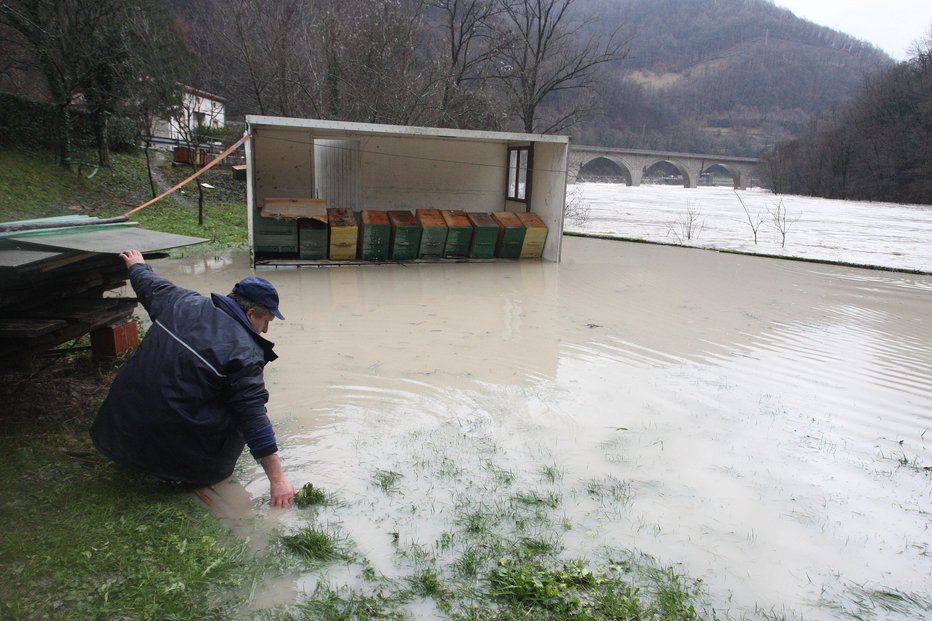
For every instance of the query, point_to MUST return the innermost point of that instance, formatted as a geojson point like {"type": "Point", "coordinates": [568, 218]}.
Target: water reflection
{"type": "Point", "coordinates": [766, 420]}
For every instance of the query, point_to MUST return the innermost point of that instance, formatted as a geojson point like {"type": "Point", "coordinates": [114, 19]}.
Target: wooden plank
{"type": "Point", "coordinates": [294, 208]}
{"type": "Point", "coordinates": [18, 328]}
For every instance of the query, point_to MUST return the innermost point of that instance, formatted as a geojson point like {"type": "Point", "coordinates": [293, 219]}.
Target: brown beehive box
{"type": "Point", "coordinates": [459, 233]}
{"type": "Point", "coordinates": [485, 233]}
{"type": "Point", "coordinates": [374, 235]}
{"type": "Point", "coordinates": [433, 232]}
{"type": "Point", "coordinates": [510, 235]}
{"type": "Point", "coordinates": [406, 235]}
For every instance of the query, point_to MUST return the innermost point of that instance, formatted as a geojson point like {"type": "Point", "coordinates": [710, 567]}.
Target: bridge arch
{"type": "Point", "coordinates": [737, 178]}
{"type": "Point", "coordinates": [689, 177]}
{"type": "Point", "coordinates": [605, 166]}
{"type": "Point", "coordinates": [635, 161]}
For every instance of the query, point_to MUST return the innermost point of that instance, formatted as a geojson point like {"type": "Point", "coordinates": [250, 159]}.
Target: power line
{"type": "Point", "coordinates": [404, 156]}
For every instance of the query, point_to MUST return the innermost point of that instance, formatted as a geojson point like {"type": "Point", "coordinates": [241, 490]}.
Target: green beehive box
{"type": "Point", "coordinates": [484, 236]}
{"type": "Point", "coordinates": [374, 235]}
{"type": "Point", "coordinates": [459, 233]}
{"type": "Point", "coordinates": [433, 233]}
{"type": "Point", "coordinates": [312, 238]}
{"type": "Point", "coordinates": [406, 235]}
{"type": "Point", "coordinates": [274, 235]}
{"type": "Point", "coordinates": [511, 233]}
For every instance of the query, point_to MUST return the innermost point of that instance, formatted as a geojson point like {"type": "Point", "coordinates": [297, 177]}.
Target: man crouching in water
{"type": "Point", "coordinates": [192, 395]}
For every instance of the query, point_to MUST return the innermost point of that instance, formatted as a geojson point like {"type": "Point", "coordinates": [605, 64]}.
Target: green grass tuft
{"type": "Point", "coordinates": [328, 604]}
{"type": "Point", "coordinates": [387, 480]}
{"type": "Point", "coordinates": [316, 545]}
{"type": "Point", "coordinates": [309, 495]}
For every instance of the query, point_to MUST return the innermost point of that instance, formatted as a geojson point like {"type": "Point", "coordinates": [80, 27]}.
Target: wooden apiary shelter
{"type": "Point", "coordinates": [319, 165]}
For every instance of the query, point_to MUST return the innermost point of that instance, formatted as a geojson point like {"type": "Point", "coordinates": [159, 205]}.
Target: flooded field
{"type": "Point", "coordinates": [854, 232]}
{"type": "Point", "coordinates": [760, 425]}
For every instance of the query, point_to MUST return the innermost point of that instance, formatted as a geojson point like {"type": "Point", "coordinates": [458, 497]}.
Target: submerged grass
{"type": "Point", "coordinates": [309, 496]}
{"type": "Point", "coordinates": [320, 545]}
{"type": "Point", "coordinates": [387, 480]}
{"type": "Point", "coordinates": [343, 604]}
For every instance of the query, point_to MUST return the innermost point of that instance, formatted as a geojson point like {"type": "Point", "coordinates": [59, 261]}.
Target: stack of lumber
{"type": "Point", "coordinates": [51, 296]}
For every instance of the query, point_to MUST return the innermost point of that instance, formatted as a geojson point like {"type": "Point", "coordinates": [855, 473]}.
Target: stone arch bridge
{"type": "Point", "coordinates": [633, 163]}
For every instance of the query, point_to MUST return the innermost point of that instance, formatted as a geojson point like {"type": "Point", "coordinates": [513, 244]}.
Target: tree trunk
{"type": "Point", "coordinates": [149, 168]}
{"type": "Point", "coordinates": [102, 136]}
{"type": "Point", "coordinates": [64, 136]}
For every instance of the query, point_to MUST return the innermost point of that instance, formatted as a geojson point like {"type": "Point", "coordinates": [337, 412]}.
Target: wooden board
{"type": "Point", "coordinates": [294, 208]}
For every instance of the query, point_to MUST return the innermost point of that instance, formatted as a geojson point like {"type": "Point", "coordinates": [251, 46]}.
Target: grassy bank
{"type": "Point", "coordinates": [83, 539]}
{"type": "Point", "coordinates": [79, 537]}
{"type": "Point", "coordinates": [32, 185]}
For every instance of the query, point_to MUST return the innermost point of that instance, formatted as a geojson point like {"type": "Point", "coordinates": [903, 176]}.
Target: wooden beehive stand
{"type": "Point", "coordinates": [48, 302]}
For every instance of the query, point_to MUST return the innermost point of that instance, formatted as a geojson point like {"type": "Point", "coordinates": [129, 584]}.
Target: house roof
{"type": "Point", "coordinates": [343, 129]}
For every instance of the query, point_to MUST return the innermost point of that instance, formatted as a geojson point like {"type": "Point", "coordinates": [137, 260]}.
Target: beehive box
{"type": "Point", "coordinates": [484, 235]}
{"type": "Point", "coordinates": [343, 234]}
{"type": "Point", "coordinates": [433, 233]}
{"type": "Point", "coordinates": [312, 238]}
{"type": "Point", "coordinates": [510, 235]}
{"type": "Point", "coordinates": [535, 236]}
{"type": "Point", "coordinates": [459, 233]}
{"type": "Point", "coordinates": [406, 235]}
{"type": "Point", "coordinates": [374, 235]}
{"type": "Point", "coordinates": [275, 235]}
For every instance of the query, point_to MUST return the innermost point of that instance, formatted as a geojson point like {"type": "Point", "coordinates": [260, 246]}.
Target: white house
{"type": "Point", "coordinates": [198, 109]}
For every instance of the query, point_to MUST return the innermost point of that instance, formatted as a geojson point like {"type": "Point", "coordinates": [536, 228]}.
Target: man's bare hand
{"type": "Point", "coordinates": [131, 258]}
{"type": "Point", "coordinates": [282, 493]}
{"type": "Point", "coordinates": [281, 488]}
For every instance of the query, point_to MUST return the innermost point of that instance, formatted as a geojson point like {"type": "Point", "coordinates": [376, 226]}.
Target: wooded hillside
{"type": "Point", "coordinates": [729, 76]}
{"type": "Point", "coordinates": [723, 76]}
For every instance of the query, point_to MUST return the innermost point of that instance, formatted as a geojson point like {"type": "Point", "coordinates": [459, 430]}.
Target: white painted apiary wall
{"type": "Point", "coordinates": [414, 173]}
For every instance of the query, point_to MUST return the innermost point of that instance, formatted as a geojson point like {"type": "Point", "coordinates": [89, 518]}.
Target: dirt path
{"type": "Point", "coordinates": [158, 160]}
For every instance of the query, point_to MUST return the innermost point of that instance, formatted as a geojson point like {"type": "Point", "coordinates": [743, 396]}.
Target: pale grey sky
{"type": "Point", "coordinates": [891, 25]}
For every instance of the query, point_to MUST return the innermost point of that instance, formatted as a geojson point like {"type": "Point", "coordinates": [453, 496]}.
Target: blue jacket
{"type": "Point", "coordinates": [192, 395]}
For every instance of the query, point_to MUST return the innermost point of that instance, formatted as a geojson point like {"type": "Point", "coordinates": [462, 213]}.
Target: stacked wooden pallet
{"type": "Point", "coordinates": [48, 297]}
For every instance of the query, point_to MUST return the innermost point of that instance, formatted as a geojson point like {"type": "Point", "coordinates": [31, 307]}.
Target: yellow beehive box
{"type": "Point", "coordinates": [343, 234]}
{"type": "Point", "coordinates": [535, 236]}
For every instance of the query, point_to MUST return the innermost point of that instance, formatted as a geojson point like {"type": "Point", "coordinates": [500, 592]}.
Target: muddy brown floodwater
{"type": "Point", "coordinates": [763, 425]}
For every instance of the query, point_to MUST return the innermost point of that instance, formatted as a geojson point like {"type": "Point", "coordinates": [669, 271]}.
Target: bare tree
{"type": "Point", "coordinates": [779, 220]}
{"type": "Point", "coordinates": [468, 42]}
{"type": "Point", "coordinates": [53, 32]}
{"type": "Point", "coordinates": [163, 69]}
{"type": "Point", "coordinates": [576, 209]}
{"type": "Point", "coordinates": [268, 45]}
{"type": "Point", "coordinates": [546, 56]}
{"type": "Point", "coordinates": [688, 226]}
{"type": "Point", "coordinates": [195, 122]}
{"type": "Point", "coordinates": [754, 222]}
{"type": "Point", "coordinates": [86, 51]}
